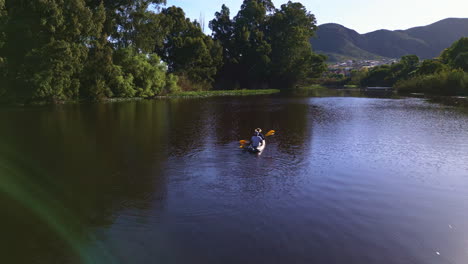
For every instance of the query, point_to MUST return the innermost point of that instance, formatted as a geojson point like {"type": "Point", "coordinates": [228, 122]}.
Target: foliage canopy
{"type": "Point", "coordinates": [59, 50]}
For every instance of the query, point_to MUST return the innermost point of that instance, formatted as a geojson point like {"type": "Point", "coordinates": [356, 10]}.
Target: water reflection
{"type": "Point", "coordinates": [95, 160]}
{"type": "Point", "coordinates": [345, 180]}
{"type": "Point", "coordinates": [90, 160]}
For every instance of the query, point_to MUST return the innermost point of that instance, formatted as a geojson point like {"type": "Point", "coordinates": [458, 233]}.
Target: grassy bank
{"type": "Point", "coordinates": [191, 94]}
{"type": "Point", "coordinates": [311, 87]}
{"type": "Point", "coordinates": [451, 82]}
{"type": "Point", "coordinates": [222, 93]}
{"type": "Point", "coordinates": [327, 87]}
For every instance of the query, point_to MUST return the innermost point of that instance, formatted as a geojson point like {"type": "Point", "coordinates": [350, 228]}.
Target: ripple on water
{"type": "Point", "coordinates": [345, 180]}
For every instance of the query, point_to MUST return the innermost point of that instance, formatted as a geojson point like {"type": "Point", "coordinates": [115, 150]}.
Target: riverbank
{"type": "Point", "coordinates": [317, 90]}
{"type": "Point", "coordinates": [355, 91]}
{"type": "Point", "coordinates": [243, 92]}
{"type": "Point", "coordinates": [187, 94]}
{"type": "Point", "coordinates": [454, 101]}
{"type": "Point", "coordinates": [312, 87]}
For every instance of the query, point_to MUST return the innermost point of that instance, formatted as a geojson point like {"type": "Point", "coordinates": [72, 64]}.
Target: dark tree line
{"type": "Point", "coordinates": [60, 50]}
{"type": "Point", "coordinates": [266, 47]}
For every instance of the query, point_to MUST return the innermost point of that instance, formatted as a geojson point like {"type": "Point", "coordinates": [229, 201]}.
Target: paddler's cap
{"type": "Point", "coordinates": [258, 130]}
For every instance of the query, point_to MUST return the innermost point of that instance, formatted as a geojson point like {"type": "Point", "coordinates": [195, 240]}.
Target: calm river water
{"type": "Point", "coordinates": [345, 180]}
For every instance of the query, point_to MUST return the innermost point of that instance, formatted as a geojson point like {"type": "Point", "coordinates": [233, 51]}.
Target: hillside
{"type": "Point", "coordinates": [339, 42]}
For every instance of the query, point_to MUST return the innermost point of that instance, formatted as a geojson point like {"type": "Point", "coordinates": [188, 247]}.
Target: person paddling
{"type": "Point", "coordinates": [257, 139]}
{"type": "Point", "coordinates": [258, 133]}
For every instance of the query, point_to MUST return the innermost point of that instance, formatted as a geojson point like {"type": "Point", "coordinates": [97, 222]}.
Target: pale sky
{"type": "Point", "coordinates": [361, 15]}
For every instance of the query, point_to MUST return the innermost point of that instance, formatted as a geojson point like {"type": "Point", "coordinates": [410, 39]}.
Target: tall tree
{"type": "Point", "coordinates": [188, 52]}
{"type": "Point", "coordinates": [253, 49]}
{"type": "Point", "coordinates": [124, 66]}
{"type": "Point", "coordinates": [290, 31]}
{"type": "Point", "coordinates": [131, 23]}
{"type": "Point", "coordinates": [99, 69]}
{"type": "Point", "coordinates": [263, 46]}
{"type": "Point", "coordinates": [147, 72]}
{"type": "Point", "coordinates": [222, 28]}
{"type": "Point", "coordinates": [246, 51]}
{"type": "Point", "coordinates": [46, 45]}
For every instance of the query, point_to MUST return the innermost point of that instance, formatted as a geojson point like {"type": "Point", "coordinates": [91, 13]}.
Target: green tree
{"type": "Point", "coordinates": [430, 67]}
{"type": "Point", "coordinates": [252, 52]}
{"type": "Point", "coordinates": [378, 76]}
{"type": "Point", "coordinates": [290, 30]}
{"type": "Point", "coordinates": [136, 26]}
{"type": "Point", "coordinates": [409, 62]}
{"type": "Point", "coordinates": [188, 52]}
{"type": "Point", "coordinates": [102, 78]}
{"type": "Point", "coordinates": [388, 75]}
{"type": "Point", "coordinates": [131, 23]}
{"type": "Point", "coordinates": [127, 71]}
{"type": "Point", "coordinates": [222, 28]}
{"type": "Point", "coordinates": [99, 70]}
{"type": "Point", "coordinates": [264, 46]}
{"type": "Point", "coordinates": [404, 69]}
{"type": "Point", "coordinates": [46, 46]}
{"type": "Point", "coordinates": [147, 72]}
{"type": "Point", "coordinates": [246, 51]}
{"type": "Point", "coordinates": [461, 61]}
{"type": "Point", "coordinates": [456, 56]}
{"type": "Point", "coordinates": [358, 75]}
{"type": "Point", "coordinates": [448, 82]}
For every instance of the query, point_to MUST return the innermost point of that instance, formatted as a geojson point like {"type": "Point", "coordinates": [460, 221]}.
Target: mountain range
{"type": "Point", "coordinates": [341, 43]}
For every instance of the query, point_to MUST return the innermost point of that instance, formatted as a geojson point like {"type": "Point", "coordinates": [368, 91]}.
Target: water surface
{"type": "Point", "coordinates": [345, 180]}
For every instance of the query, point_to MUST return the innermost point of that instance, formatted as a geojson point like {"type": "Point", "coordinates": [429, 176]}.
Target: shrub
{"type": "Point", "coordinates": [171, 84]}
{"type": "Point", "coordinates": [447, 82]}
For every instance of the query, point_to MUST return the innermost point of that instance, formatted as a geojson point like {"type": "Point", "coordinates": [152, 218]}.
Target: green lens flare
{"type": "Point", "coordinates": [16, 182]}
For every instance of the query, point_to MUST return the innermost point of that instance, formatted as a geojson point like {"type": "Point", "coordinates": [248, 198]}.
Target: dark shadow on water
{"type": "Point", "coordinates": [165, 181]}
{"type": "Point", "coordinates": [97, 159]}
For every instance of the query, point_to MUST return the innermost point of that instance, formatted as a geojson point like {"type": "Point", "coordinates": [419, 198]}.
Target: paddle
{"type": "Point", "coordinates": [246, 142]}
{"type": "Point", "coordinates": [270, 133]}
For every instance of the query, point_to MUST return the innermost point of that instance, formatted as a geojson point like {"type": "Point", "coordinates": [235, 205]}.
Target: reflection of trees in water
{"type": "Point", "coordinates": [236, 118]}
{"type": "Point", "coordinates": [37, 227]}
{"type": "Point", "coordinates": [295, 126]}
{"type": "Point", "coordinates": [327, 92]}
{"type": "Point", "coordinates": [92, 160]}
{"type": "Point", "coordinates": [188, 125]}
{"type": "Point", "coordinates": [275, 169]}
{"type": "Point", "coordinates": [232, 119]}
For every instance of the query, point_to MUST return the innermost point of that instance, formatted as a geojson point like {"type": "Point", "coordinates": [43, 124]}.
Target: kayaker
{"type": "Point", "coordinates": [257, 139]}
{"type": "Point", "coordinates": [258, 133]}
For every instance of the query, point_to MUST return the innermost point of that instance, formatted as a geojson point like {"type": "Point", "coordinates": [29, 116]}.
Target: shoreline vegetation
{"type": "Point", "coordinates": [59, 51]}
{"type": "Point", "coordinates": [187, 94]}
{"type": "Point", "coordinates": [446, 75]}
{"type": "Point", "coordinates": [244, 92]}
{"type": "Point", "coordinates": [55, 51]}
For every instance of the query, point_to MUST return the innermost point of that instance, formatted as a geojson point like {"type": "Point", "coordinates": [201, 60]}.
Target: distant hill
{"type": "Point", "coordinates": [339, 42]}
